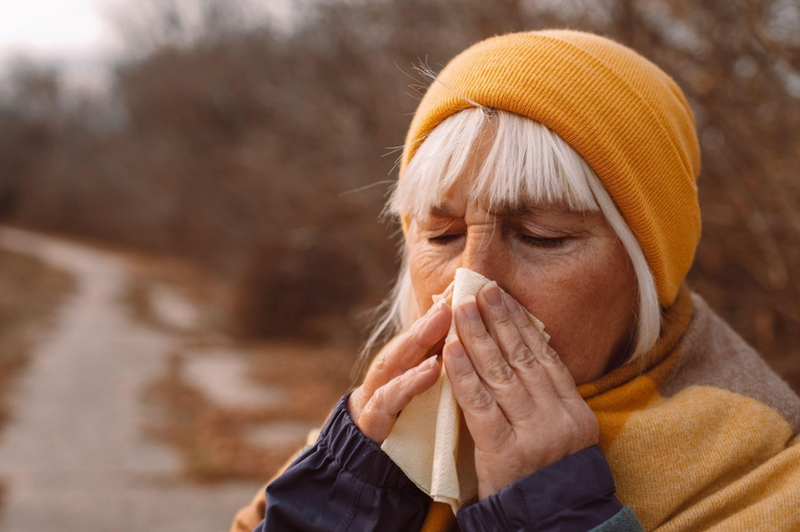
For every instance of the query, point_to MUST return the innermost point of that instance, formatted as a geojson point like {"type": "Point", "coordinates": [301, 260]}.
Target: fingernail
{"type": "Point", "coordinates": [427, 365]}
{"type": "Point", "coordinates": [456, 350]}
{"type": "Point", "coordinates": [492, 294]}
{"type": "Point", "coordinates": [512, 306]}
{"type": "Point", "coordinates": [436, 308]}
{"type": "Point", "coordinates": [470, 308]}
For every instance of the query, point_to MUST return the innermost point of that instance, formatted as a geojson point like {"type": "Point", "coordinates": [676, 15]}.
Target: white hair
{"type": "Point", "coordinates": [526, 162]}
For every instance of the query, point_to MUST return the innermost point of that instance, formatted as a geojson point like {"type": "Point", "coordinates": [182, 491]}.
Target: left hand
{"type": "Point", "coordinates": [520, 402]}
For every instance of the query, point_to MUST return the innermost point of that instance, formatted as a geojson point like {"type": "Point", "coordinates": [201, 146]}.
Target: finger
{"type": "Point", "coordinates": [484, 417]}
{"type": "Point", "coordinates": [447, 295]}
{"type": "Point", "coordinates": [490, 365]}
{"type": "Point", "coordinates": [561, 378]}
{"type": "Point", "coordinates": [380, 413]}
{"type": "Point", "coordinates": [425, 337]}
{"type": "Point", "coordinates": [518, 355]}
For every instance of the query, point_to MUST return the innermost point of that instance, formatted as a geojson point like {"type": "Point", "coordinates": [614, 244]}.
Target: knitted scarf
{"type": "Point", "coordinates": [700, 434]}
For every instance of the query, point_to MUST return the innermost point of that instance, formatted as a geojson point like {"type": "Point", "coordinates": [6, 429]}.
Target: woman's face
{"type": "Point", "coordinates": [568, 269]}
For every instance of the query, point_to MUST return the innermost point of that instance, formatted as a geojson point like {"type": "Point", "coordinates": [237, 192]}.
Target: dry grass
{"type": "Point", "coordinates": [211, 439]}
{"type": "Point", "coordinates": [30, 294]}
{"type": "Point", "coordinates": [208, 293]}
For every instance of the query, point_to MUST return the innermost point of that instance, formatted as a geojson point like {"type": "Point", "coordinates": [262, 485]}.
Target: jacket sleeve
{"type": "Point", "coordinates": [576, 494]}
{"type": "Point", "coordinates": [344, 482]}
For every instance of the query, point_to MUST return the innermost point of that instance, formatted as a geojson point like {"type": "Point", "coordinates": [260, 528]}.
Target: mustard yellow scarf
{"type": "Point", "coordinates": [706, 438]}
{"type": "Point", "coordinates": [700, 434]}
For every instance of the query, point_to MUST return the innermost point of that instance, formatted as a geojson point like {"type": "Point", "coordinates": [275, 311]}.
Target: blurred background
{"type": "Point", "coordinates": [190, 193]}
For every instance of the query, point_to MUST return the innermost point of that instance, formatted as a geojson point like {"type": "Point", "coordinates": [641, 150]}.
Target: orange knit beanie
{"type": "Point", "coordinates": [625, 116]}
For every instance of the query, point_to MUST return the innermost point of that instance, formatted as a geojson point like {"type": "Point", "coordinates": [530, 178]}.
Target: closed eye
{"type": "Point", "coordinates": [542, 242]}
{"type": "Point", "coordinates": [442, 240]}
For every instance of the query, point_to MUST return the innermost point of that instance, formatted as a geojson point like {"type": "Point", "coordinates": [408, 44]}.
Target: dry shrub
{"type": "Point", "coordinates": [288, 293]}
{"type": "Point", "coordinates": [235, 147]}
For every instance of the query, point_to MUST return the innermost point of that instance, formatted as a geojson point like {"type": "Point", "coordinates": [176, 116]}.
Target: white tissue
{"type": "Point", "coordinates": [430, 441]}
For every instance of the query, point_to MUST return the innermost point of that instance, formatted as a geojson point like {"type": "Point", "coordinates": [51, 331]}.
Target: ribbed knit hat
{"type": "Point", "coordinates": [625, 116]}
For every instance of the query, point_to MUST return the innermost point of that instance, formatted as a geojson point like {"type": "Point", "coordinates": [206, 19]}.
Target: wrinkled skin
{"type": "Point", "coordinates": [569, 270]}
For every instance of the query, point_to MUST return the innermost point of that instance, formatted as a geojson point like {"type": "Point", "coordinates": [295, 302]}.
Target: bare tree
{"type": "Point", "coordinates": [260, 151]}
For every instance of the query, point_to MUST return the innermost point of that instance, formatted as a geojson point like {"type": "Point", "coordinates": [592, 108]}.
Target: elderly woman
{"type": "Point", "coordinates": [561, 166]}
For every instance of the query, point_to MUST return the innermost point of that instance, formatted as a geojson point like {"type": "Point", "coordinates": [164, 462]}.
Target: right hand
{"type": "Point", "coordinates": [519, 400]}
{"type": "Point", "coordinates": [404, 369]}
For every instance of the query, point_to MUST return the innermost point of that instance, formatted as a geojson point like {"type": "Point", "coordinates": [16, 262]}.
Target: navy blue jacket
{"type": "Point", "coordinates": [345, 482]}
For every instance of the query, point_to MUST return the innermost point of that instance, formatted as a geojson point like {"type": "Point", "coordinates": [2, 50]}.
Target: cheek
{"type": "Point", "coordinates": [589, 309]}
{"type": "Point", "coordinates": [430, 274]}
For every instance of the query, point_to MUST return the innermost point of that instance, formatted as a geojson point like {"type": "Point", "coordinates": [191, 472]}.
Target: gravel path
{"type": "Point", "coordinates": [74, 457]}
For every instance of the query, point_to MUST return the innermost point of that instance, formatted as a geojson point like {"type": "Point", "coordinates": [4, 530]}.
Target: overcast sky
{"type": "Point", "coordinates": [72, 34]}
{"type": "Point", "coordinates": [53, 28]}
{"type": "Point", "coordinates": [75, 35]}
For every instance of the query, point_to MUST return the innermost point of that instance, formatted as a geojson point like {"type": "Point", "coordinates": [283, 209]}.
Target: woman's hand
{"type": "Point", "coordinates": [404, 369]}
{"type": "Point", "coordinates": [520, 402]}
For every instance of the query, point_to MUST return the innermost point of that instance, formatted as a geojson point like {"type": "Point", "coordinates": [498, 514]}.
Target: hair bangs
{"type": "Point", "coordinates": [511, 161]}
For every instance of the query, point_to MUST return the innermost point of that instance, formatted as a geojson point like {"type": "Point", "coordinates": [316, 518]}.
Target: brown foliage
{"type": "Point", "coordinates": [30, 294]}
{"type": "Point", "coordinates": [213, 440]}
{"type": "Point", "coordinates": [236, 148]}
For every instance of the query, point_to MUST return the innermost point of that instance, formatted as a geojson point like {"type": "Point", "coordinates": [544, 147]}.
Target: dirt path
{"type": "Point", "coordinates": [74, 455]}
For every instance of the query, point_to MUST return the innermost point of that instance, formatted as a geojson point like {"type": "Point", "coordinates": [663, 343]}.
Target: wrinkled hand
{"type": "Point", "coordinates": [519, 401]}
{"type": "Point", "coordinates": [403, 370]}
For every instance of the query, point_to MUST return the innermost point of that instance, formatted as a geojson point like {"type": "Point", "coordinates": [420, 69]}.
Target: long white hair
{"type": "Point", "coordinates": [526, 162]}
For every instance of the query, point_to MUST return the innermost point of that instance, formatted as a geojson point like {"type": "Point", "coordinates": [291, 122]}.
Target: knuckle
{"type": "Point", "coordinates": [381, 363]}
{"type": "Point", "coordinates": [480, 401]}
{"type": "Point", "coordinates": [403, 383]}
{"type": "Point", "coordinates": [421, 337]}
{"type": "Point", "coordinates": [504, 321]}
{"type": "Point", "coordinates": [499, 371]}
{"type": "Point", "coordinates": [378, 402]}
{"type": "Point", "coordinates": [551, 357]}
{"type": "Point", "coordinates": [521, 355]}
{"type": "Point", "coordinates": [480, 334]}
{"type": "Point", "coordinates": [523, 323]}
{"type": "Point", "coordinates": [416, 330]}
{"type": "Point", "coordinates": [534, 372]}
{"type": "Point", "coordinates": [414, 334]}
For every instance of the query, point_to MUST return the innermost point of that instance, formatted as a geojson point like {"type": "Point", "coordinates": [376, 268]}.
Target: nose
{"type": "Point", "coordinates": [483, 253]}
